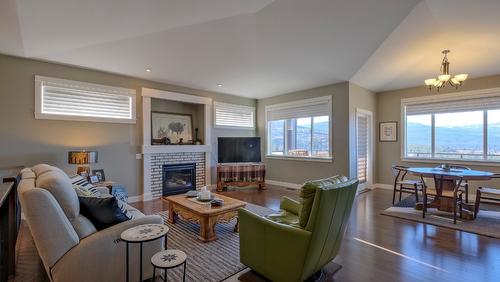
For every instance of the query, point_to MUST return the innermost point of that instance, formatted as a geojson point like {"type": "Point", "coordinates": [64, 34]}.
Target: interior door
{"type": "Point", "coordinates": [364, 151]}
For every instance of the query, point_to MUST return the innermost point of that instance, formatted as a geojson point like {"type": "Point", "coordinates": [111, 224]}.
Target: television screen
{"type": "Point", "coordinates": [239, 149]}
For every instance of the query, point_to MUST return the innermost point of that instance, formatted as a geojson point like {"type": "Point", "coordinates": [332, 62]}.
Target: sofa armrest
{"type": "Point", "coordinates": [52, 232]}
{"type": "Point", "coordinates": [116, 230]}
{"type": "Point", "coordinates": [274, 250]}
{"type": "Point", "coordinates": [290, 205]}
{"type": "Point", "coordinates": [101, 256]}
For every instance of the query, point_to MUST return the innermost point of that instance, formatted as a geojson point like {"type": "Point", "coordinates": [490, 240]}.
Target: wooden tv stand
{"type": "Point", "coordinates": [241, 174]}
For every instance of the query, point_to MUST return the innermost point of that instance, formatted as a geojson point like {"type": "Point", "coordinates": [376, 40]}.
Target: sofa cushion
{"type": "Point", "coordinates": [83, 226]}
{"type": "Point", "coordinates": [27, 173]}
{"type": "Point", "coordinates": [40, 169]}
{"type": "Point", "coordinates": [308, 192]}
{"type": "Point", "coordinates": [59, 185]}
{"type": "Point", "coordinates": [102, 212]}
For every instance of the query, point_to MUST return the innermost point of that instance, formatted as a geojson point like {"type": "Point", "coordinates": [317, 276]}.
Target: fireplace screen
{"type": "Point", "coordinates": [178, 178]}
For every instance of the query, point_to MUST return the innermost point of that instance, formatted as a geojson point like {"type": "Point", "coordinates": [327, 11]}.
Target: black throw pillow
{"type": "Point", "coordinates": [102, 212]}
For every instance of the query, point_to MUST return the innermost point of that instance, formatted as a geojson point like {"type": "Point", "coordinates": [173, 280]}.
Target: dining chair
{"type": "Point", "coordinates": [486, 193]}
{"type": "Point", "coordinates": [456, 195]}
{"type": "Point", "coordinates": [402, 185]}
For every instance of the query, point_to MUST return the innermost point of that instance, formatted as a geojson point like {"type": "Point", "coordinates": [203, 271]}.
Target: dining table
{"type": "Point", "coordinates": [449, 179]}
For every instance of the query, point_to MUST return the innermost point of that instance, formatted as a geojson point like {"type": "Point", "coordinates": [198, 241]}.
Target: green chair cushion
{"type": "Point", "coordinates": [284, 217]}
{"type": "Point", "coordinates": [308, 191]}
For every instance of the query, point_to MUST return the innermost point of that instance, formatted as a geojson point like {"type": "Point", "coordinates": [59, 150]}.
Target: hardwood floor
{"type": "Point", "coordinates": [383, 248]}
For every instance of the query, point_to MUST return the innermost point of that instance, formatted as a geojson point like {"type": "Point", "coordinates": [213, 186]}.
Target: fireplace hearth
{"type": "Point", "coordinates": [178, 178]}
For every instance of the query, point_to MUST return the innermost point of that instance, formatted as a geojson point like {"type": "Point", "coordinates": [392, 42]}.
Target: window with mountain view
{"type": "Point", "coordinates": [465, 129]}
{"type": "Point", "coordinates": [299, 129]}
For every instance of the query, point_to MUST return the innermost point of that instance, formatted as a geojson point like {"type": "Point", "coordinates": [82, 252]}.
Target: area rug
{"type": "Point", "coordinates": [487, 222]}
{"type": "Point", "coordinates": [213, 261]}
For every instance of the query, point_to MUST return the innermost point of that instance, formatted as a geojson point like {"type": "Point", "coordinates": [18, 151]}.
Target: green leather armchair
{"type": "Point", "coordinates": [294, 252]}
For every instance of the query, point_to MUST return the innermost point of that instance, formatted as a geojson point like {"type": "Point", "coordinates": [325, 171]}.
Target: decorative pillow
{"type": "Point", "coordinates": [308, 191]}
{"type": "Point", "coordinates": [83, 188]}
{"type": "Point", "coordinates": [82, 192]}
{"type": "Point", "coordinates": [120, 193]}
{"type": "Point", "coordinates": [102, 212]}
{"type": "Point", "coordinates": [124, 207]}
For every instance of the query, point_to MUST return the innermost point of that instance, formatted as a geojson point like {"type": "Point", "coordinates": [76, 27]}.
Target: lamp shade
{"type": "Point", "coordinates": [82, 157]}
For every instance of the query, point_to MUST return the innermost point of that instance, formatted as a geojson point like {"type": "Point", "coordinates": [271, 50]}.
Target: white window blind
{"type": "Point", "coordinates": [362, 150]}
{"type": "Point", "coordinates": [234, 116]}
{"type": "Point", "coordinates": [458, 105]}
{"type": "Point", "coordinates": [73, 100]}
{"type": "Point", "coordinates": [299, 109]}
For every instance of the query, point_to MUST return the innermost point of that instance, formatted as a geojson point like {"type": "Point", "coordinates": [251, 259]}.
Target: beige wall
{"type": "Point", "coordinates": [297, 171]}
{"type": "Point", "coordinates": [360, 98]}
{"type": "Point", "coordinates": [27, 141]}
{"type": "Point", "coordinates": [389, 109]}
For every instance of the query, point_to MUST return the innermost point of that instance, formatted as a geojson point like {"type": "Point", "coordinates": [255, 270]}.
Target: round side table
{"type": "Point", "coordinates": [141, 234]}
{"type": "Point", "coordinates": [169, 259]}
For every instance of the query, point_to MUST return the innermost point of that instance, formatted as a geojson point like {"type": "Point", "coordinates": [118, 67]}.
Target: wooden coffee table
{"type": "Point", "coordinates": [204, 214]}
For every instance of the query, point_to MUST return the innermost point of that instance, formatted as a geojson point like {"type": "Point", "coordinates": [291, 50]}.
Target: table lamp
{"type": "Point", "coordinates": [82, 159]}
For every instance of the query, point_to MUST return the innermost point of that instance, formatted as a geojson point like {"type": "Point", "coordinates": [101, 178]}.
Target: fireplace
{"type": "Point", "coordinates": [178, 178]}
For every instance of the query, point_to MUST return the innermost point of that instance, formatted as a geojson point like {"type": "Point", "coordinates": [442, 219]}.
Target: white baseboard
{"type": "Point", "coordinates": [140, 198]}
{"type": "Point", "coordinates": [382, 186]}
{"type": "Point", "coordinates": [284, 184]}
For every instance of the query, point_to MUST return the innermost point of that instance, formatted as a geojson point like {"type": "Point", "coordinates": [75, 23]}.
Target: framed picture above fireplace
{"type": "Point", "coordinates": [178, 128]}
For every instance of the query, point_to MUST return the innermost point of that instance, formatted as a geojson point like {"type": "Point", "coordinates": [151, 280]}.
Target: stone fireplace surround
{"type": "Point", "coordinates": [158, 160]}
{"type": "Point", "coordinates": [155, 156]}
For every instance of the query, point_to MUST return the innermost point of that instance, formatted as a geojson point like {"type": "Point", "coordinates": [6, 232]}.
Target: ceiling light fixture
{"type": "Point", "coordinates": [445, 76]}
{"type": "Point", "coordinates": [220, 85]}
{"type": "Point", "coordinates": [148, 70]}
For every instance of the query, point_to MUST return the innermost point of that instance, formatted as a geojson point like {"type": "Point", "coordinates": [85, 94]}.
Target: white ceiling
{"type": "Point", "coordinates": [259, 48]}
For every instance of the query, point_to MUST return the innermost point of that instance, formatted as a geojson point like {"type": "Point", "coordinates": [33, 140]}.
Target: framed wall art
{"type": "Point", "coordinates": [388, 131]}
{"type": "Point", "coordinates": [177, 128]}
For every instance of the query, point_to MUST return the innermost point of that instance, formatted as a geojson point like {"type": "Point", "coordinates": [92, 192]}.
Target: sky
{"type": "Point", "coordinates": [457, 119]}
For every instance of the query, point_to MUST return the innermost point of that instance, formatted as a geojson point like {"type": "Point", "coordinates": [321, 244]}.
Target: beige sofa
{"type": "Point", "coordinates": [68, 243]}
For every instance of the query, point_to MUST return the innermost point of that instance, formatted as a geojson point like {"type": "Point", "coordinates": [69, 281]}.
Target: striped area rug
{"type": "Point", "coordinates": [213, 261]}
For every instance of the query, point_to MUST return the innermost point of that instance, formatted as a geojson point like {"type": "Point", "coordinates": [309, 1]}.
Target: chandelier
{"type": "Point", "coordinates": [445, 76]}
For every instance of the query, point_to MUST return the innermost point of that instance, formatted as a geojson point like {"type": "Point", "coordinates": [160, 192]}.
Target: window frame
{"type": "Point", "coordinates": [294, 104]}
{"type": "Point", "coordinates": [483, 93]}
{"type": "Point", "coordinates": [72, 84]}
{"type": "Point", "coordinates": [253, 110]}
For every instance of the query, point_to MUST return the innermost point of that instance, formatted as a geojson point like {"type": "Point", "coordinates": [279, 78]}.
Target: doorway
{"type": "Point", "coordinates": [364, 148]}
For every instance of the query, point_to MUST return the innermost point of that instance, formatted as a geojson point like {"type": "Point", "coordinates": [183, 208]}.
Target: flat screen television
{"type": "Point", "coordinates": [239, 149]}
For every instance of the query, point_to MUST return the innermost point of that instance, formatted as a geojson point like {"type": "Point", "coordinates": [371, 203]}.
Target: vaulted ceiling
{"type": "Point", "coordinates": [259, 48]}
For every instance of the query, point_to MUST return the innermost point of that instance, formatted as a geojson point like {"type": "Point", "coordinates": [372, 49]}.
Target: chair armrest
{"type": "Point", "coordinates": [290, 205]}
{"type": "Point", "coordinates": [101, 256]}
{"type": "Point", "coordinates": [274, 250]}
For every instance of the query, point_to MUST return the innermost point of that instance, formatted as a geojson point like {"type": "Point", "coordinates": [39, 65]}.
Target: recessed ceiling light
{"type": "Point", "coordinates": [220, 85]}
{"type": "Point", "coordinates": [148, 70]}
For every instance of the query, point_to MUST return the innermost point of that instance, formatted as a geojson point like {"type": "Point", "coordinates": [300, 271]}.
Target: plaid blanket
{"type": "Point", "coordinates": [245, 172]}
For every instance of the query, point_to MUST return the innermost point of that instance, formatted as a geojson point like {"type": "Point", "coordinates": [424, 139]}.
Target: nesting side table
{"type": "Point", "coordinates": [141, 234]}
{"type": "Point", "coordinates": [169, 259]}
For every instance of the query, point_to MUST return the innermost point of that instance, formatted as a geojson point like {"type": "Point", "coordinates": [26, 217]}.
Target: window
{"type": "Point", "coordinates": [234, 116]}
{"type": "Point", "coordinates": [464, 126]}
{"type": "Point", "coordinates": [73, 100]}
{"type": "Point", "coordinates": [299, 129]}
